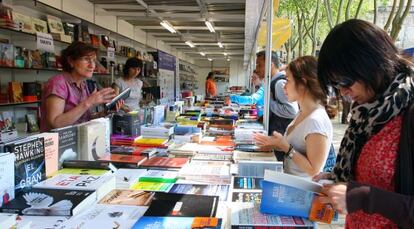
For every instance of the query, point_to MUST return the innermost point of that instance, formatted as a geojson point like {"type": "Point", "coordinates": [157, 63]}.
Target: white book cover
{"type": "Point", "coordinates": [6, 178]}
{"type": "Point", "coordinates": [7, 220]}
{"type": "Point", "coordinates": [255, 156]}
{"type": "Point", "coordinates": [108, 126]}
{"type": "Point", "coordinates": [101, 184]}
{"type": "Point", "coordinates": [106, 217]}
{"type": "Point", "coordinates": [51, 152]}
{"type": "Point", "coordinates": [92, 139]}
{"type": "Point", "coordinates": [161, 174]}
{"type": "Point", "coordinates": [41, 222]}
{"type": "Point", "coordinates": [257, 168]}
{"type": "Point", "coordinates": [292, 181]}
{"type": "Point", "coordinates": [126, 177]}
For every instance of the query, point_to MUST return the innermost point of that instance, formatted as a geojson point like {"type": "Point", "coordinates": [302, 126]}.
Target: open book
{"type": "Point", "coordinates": [286, 194]}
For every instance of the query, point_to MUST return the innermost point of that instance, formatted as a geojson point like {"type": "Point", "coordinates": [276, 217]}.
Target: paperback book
{"type": "Point", "coordinates": [164, 162]}
{"type": "Point", "coordinates": [177, 222]}
{"type": "Point", "coordinates": [199, 189]}
{"type": "Point", "coordinates": [182, 205]}
{"type": "Point", "coordinates": [49, 202]}
{"type": "Point", "coordinates": [254, 197]}
{"type": "Point", "coordinates": [6, 178]}
{"type": "Point", "coordinates": [29, 166]}
{"type": "Point", "coordinates": [247, 183]}
{"type": "Point", "coordinates": [68, 144]}
{"type": "Point", "coordinates": [128, 197]}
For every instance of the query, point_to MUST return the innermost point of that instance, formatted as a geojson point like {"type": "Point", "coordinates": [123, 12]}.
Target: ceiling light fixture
{"type": "Point", "coordinates": [220, 44]}
{"type": "Point", "coordinates": [168, 26]}
{"type": "Point", "coordinates": [224, 53]}
{"type": "Point", "coordinates": [190, 43]}
{"type": "Point", "coordinates": [203, 54]}
{"type": "Point", "coordinates": [228, 59]}
{"type": "Point", "coordinates": [210, 26]}
{"type": "Point", "coordinates": [209, 59]}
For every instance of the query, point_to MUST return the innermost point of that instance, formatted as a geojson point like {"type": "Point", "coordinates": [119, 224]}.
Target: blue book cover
{"type": "Point", "coordinates": [163, 222]}
{"type": "Point", "coordinates": [285, 200]}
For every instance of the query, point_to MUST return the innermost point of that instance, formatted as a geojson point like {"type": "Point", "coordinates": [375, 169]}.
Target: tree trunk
{"type": "Point", "coordinates": [399, 19]}
{"type": "Point", "coordinates": [300, 34]}
{"type": "Point", "coordinates": [338, 16]}
{"type": "Point", "coordinates": [391, 16]}
{"type": "Point", "coordinates": [329, 13]}
{"type": "Point", "coordinates": [375, 12]}
{"type": "Point", "coordinates": [314, 28]}
{"type": "Point", "coordinates": [348, 9]}
{"type": "Point", "coordinates": [358, 9]}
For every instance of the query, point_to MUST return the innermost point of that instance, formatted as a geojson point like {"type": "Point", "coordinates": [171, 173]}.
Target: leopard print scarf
{"type": "Point", "coordinates": [368, 119]}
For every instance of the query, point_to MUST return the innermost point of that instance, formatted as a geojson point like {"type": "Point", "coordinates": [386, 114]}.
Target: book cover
{"type": "Point", "coordinates": [68, 143]}
{"type": "Point", "coordinates": [6, 55]}
{"type": "Point", "coordinates": [151, 186]}
{"type": "Point", "coordinates": [51, 152]}
{"type": "Point", "coordinates": [126, 161]}
{"type": "Point", "coordinates": [95, 40]}
{"type": "Point", "coordinates": [85, 34]}
{"type": "Point", "coordinates": [32, 123]}
{"type": "Point", "coordinates": [165, 162]}
{"type": "Point", "coordinates": [55, 24]}
{"type": "Point", "coordinates": [82, 171]}
{"type": "Point", "coordinates": [286, 194]}
{"type": "Point", "coordinates": [126, 177]}
{"type": "Point", "coordinates": [239, 211]}
{"type": "Point", "coordinates": [199, 189]}
{"type": "Point", "coordinates": [18, 57]}
{"type": "Point", "coordinates": [6, 178]}
{"type": "Point", "coordinates": [41, 222]}
{"type": "Point", "coordinates": [254, 197]}
{"type": "Point", "coordinates": [39, 25]}
{"type": "Point", "coordinates": [128, 197]}
{"type": "Point", "coordinates": [154, 142]}
{"type": "Point", "coordinates": [183, 205]}
{"type": "Point", "coordinates": [106, 216]}
{"type": "Point", "coordinates": [36, 58]}
{"type": "Point", "coordinates": [49, 202]}
{"type": "Point", "coordinates": [162, 176]}
{"type": "Point", "coordinates": [24, 22]}
{"type": "Point", "coordinates": [15, 92]}
{"type": "Point", "coordinates": [177, 222]}
{"type": "Point", "coordinates": [29, 166]}
{"type": "Point", "coordinates": [92, 139]}
{"type": "Point", "coordinates": [101, 184]}
{"type": "Point", "coordinates": [247, 183]}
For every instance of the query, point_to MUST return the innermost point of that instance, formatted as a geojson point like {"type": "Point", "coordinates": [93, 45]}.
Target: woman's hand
{"type": "Point", "coordinates": [322, 176]}
{"type": "Point", "coordinates": [335, 195]}
{"type": "Point", "coordinates": [275, 141]}
{"type": "Point", "coordinates": [100, 97]}
{"type": "Point", "coordinates": [119, 104]}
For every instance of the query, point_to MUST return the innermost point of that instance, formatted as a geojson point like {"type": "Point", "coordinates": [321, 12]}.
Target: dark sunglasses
{"type": "Point", "coordinates": [345, 82]}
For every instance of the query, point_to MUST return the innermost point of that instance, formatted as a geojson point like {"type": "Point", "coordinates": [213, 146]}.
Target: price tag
{"type": "Point", "coordinates": [111, 53]}
{"type": "Point", "coordinates": [45, 42]}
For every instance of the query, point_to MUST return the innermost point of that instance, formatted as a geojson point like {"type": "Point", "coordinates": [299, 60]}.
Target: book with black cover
{"type": "Point", "coordinates": [184, 205]}
{"type": "Point", "coordinates": [123, 95]}
{"type": "Point", "coordinates": [68, 143]}
{"type": "Point", "coordinates": [80, 164]}
{"type": "Point", "coordinates": [29, 166]}
{"type": "Point", "coordinates": [50, 202]}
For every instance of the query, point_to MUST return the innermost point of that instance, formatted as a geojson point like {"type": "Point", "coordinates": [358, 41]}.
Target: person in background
{"type": "Point", "coordinates": [129, 79]}
{"type": "Point", "coordinates": [66, 99]}
{"type": "Point", "coordinates": [374, 172]}
{"type": "Point", "coordinates": [256, 98]}
{"type": "Point", "coordinates": [307, 140]}
{"type": "Point", "coordinates": [282, 111]}
{"type": "Point", "coordinates": [211, 87]}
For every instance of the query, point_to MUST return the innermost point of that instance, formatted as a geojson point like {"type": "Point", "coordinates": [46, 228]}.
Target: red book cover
{"type": "Point", "coordinates": [126, 159]}
{"type": "Point", "coordinates": [165, 162]}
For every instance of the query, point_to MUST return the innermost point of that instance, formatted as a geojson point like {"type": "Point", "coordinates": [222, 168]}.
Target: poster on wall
{"type": "Point", "coordinates": [167, 74]}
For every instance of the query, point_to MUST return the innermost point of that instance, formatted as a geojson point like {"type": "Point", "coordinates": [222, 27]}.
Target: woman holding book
{"type": "Point", "coordinates": [374, 171]}
{"type": "Point", "coordinates": [66, 98]}
{"type": "Point", "coordinates": [132, 68]}
{"type": "Point", "coordinates": [308, 137]}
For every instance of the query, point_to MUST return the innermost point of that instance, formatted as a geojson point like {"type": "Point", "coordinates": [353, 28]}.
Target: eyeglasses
{"type": "Point", "coordinates": [88, 60]}
{"type": "Point", "coordinates": [344, 83]}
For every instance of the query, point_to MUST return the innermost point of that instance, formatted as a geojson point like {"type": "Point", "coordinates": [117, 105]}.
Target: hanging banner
{"type": "Point", "coordinates": [281, 32]}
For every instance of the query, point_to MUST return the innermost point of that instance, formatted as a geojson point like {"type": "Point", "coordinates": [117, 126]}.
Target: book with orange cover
{"type": "Point", "coordinates": [15, 92]}
{"type": "Point", "coordinates": [129, 161]}
{"type": "Point", "coordinates": [165, 162]}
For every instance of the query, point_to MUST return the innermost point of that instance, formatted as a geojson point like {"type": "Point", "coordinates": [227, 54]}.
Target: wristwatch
{"type": "Point", "coordinates": [290, 152]}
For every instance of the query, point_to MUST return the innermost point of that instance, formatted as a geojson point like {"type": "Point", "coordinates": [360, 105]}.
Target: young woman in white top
{"type": "Point", "coordinates": [132, 68]}
{"type": "Point", "coordinates": [308, 137]}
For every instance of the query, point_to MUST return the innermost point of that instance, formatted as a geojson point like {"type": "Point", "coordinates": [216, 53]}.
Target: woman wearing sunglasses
{"type": "Point", "coordinates": [374, 171]}
{"type": "Point", "coordinates": [308, 137]}
{"type": "Point", "coordinates": [66, 99]}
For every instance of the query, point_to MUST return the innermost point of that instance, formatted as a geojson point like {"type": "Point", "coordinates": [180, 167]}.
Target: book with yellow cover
{"type": "Point", "coordinates": [152, 186]}
{"type": "Point", "coordinates": [156, 142]}
{"type": "Point", "coordinates": [82, 171]}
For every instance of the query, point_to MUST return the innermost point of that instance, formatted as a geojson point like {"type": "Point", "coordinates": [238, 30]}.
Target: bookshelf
{"type": "Point", "coordinates": [187, 76]}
